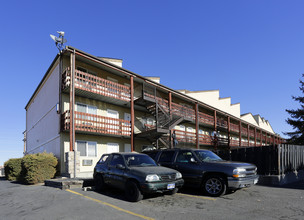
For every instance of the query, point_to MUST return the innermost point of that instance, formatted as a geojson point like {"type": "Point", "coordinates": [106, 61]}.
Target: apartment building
{"type": "Point", "coordinates": [86, 106]}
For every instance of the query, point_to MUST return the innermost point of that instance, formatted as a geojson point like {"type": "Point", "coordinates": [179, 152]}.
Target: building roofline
{"type": "Point", "coordinates": [130, 73]}
{"type": "Point", "coordinates": [71, 49]}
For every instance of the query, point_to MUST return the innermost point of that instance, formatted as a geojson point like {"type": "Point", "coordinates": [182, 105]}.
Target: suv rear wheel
{"type": "Point", "coordinates": [214, 185]}
{"type": "Point", "coordinates": [132, 192]}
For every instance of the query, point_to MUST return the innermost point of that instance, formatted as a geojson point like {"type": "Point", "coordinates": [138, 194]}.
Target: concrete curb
{"type": "Point", "coordinates": [64, 183]}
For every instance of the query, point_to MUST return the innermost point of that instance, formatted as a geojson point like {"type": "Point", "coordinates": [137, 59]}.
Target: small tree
{"type": "Point", "coordinates": [296, 119]}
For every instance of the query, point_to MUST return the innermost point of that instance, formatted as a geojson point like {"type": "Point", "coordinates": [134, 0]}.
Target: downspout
{"type": "Point", "coordinates": [72, 105]}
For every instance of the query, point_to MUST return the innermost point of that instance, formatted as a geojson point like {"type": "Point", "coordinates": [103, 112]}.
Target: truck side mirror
{"type": "Point", "coordinates": [120, 166]}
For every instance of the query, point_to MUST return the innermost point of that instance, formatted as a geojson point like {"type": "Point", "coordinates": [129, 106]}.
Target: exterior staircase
{"type": "Point", "coordinates": [158, 135]}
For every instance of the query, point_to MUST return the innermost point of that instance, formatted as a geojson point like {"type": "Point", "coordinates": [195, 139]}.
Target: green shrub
{"type": "Point", "coordinates": [12, 169]}
{"type": "Point", "coordinates": [38, 167]}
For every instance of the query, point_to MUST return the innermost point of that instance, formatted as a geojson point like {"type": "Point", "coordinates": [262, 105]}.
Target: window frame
{"type": "Point", "coordinates": [86, 147]}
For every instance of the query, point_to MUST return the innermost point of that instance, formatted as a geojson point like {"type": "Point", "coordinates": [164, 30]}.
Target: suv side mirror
{"type": "Point", "coordinates": [192, 160]}
{"type": "Point", "coordinates": [120, 166]}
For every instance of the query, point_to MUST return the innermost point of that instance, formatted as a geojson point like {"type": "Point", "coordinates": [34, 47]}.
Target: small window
{"type": "Point", "coordinates": [166, 156]}
{"type": "Point", "coordinates": [190, 129]}
{"type": "Point", "coordinates": [84, 108]}
{"type": "Point", "coordinates": [117, 159]}
{"type": "Point", "coordinates": [182, 128]}
{"type": "Point", "coordinates": [86, 148]}
{"type": "Point", "coordinates": [81, 147]}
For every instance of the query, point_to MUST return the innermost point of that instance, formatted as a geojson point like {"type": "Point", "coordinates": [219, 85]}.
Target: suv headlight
{"type": "Point", "coordinates": [152, 178]}
{"type": "Point", "coordinates": [239, 172]}
{"type": "Point", "coordinates": [178, 175]}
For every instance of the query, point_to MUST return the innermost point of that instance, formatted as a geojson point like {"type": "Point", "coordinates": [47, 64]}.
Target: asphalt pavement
{"type": "Point", "coordinates": [41, 202]}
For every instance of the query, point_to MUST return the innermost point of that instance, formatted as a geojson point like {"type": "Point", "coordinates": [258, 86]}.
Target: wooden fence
{"type": "Point", "coordinates": [270, 160]}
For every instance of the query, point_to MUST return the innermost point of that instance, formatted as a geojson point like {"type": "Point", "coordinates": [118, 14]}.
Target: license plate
{"type": "Point", "coordinates": [171, 186]}
{"type": "Point", "coordinates": [255, 181]}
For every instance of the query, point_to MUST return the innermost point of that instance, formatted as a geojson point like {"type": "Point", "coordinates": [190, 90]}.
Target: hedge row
{"type": "Point", "coordinates": [32, 168]}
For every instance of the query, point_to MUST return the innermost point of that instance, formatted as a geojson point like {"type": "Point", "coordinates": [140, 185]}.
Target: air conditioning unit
{"type": "Point", "coordinates": [87, 162]}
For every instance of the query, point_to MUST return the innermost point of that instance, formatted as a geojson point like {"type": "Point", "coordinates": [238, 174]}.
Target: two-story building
{"type": "Point", "coordinates": [86, 106]}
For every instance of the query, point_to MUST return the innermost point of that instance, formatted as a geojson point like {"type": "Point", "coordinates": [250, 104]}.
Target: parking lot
{"type": "Point", "coordinates": [41, 202]}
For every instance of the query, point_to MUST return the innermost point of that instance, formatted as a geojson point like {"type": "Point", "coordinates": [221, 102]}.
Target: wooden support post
{"type": "Point", "coordinates": [170, 113]}
{"type": "Point", "coordinates": [197, 125]}
{"type": "Point", "coordinates": [215, 119]}
{"type": "Point", "coordinates": [132, 112]}
{"type": "Point", "coordinates": [228, 123]}
{"type": "Point", "coordinates": [240, 134]}
{"type": "Point", "coordinates": [72, 102]}
{"type": "Point", "coordinates": [248, 136]}
{"type": "Point", "coordinates": [255, 137]}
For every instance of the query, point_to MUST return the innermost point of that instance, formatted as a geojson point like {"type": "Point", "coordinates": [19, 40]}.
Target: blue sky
{"type": "Point", "coordinates": [252, 51]}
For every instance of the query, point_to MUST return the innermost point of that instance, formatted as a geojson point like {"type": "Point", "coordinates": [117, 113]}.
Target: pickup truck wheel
{"type": "Point", "coordinates": [99, 183]}
{"type": "Point", "coordinates": [214, 186]}
{"type": "Point", "coordinates": [132, 192]}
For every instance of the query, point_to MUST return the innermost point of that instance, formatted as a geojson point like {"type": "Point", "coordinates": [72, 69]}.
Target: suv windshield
{"type": "Point", "coordinates": [139, 160]}
{"type": "Point", "coordinates": [206, 156]}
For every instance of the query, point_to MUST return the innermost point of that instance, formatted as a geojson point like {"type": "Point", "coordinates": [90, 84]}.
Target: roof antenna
{"type": "Point", "coordinates": [59, 41]}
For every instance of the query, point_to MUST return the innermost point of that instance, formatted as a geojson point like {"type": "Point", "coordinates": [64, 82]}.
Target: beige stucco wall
{"type": "Point", "coordinates": [249, 118]}
{"type": "Point", "coordinates": [264, 124]}
{"type": "Point", "coordinates": [101, 142]}
{"type": "Point", "coordinates": [213, 98]}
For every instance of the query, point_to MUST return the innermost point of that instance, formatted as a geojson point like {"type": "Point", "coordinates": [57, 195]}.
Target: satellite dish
{"type": "Point", "coordinates": [59, 41]}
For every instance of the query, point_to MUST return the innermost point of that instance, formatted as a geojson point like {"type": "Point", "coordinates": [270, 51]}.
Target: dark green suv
{"type": "Point", "coordinates": [136, 174]}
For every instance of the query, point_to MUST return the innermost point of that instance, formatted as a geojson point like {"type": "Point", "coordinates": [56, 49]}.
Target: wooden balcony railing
{"type": "Point", "coordinates": [205, 118]}
{"type": "Point", "coordinates": [251, 133]}
{"type": "Point", "coordinates": [234, 143]}
{"type": "Point", "coordinates": [244, 131]}
{"type": "Point", "coordinates": [163, 102]}
{"type": "Point", "coordinates": [205, 139]}
{"type": "Point", "coordinates": [97, 124]}
{"type": "Point", "coordinates": [190, 137]}
{"type": "Point", "coordinates": [185, 136]}
{"type": "Point", "coordinates": [244, 143]}
{"type": "Point", "coordinates": [183, 111]}
{"type": "Point", "coordinates": [88, 82]}
{"type": "Point", "coordinates": [220, 122]}
{"type": "Point", "coordinates": [234, 127]}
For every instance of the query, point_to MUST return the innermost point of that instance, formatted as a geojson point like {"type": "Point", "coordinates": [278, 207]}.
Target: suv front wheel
{"type": "Point", "coordinates": [214, 185]}
{"type": "Point", "coordinates": [132, 192]}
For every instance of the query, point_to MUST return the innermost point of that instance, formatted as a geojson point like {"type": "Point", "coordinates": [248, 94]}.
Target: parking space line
{"type": "Point", "coordinates": [110, 205]}
{"type": "Point", "coordinates": [200, 197]}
